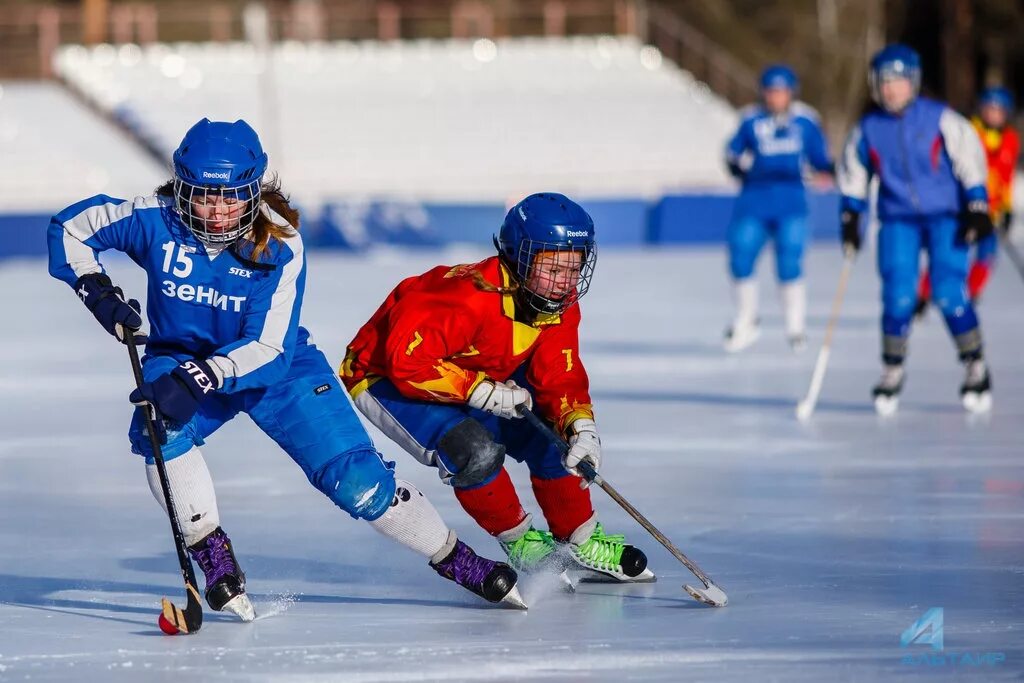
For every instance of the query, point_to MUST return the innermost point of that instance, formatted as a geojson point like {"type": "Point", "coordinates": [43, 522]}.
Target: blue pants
{"type": "Point", "coordinates": [899, 248]}
{"type": "Point", "coordinates": [308, 414]}
{"type": "Point", "coordinates": [747, 235]}
{"type": "Point", "coordinates": [419, 426]}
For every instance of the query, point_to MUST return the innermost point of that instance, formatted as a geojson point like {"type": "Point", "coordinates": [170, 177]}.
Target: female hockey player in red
{"type": "Point", "coordinates": [1002, 149]}
{"type": "Point", "coordinates": [445, 362]}
{"type": "Point", "coordinates": [227, 274]}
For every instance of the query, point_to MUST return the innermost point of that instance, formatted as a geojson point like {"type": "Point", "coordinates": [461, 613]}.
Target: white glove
{"type": "Point", "coordinates": [500, 398]}
{"type": "Point", "coordinates": [584, 444]}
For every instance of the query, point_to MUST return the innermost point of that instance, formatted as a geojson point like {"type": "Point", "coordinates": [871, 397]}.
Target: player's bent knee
{"type": "Point", "coordinates": [741, 265]}
{"type": "Point", "coordinates": [949, 296]}
{"type": "Point", "coordinates": [472, 452]}
{"type": "Point", "coordinates": [359, 482]}
{"type": "Point", "coordinates": [900, 304]}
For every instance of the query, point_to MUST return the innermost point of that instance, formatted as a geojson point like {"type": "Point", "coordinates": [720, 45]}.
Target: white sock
{"type": "Point", "coordinates": [794, 306]}
{"type": "Point", "coordinates": [745, 295]}
{"type": "Point", "coordinates": [413, 521]}
{"type": "Point", "coordinates": [195, 501]}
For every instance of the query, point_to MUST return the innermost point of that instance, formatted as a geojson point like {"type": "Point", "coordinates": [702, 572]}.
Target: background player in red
{"type": "Point", "coordinates": [443, 364]}
{"type": "Point", "coordinates": [1002, 149]}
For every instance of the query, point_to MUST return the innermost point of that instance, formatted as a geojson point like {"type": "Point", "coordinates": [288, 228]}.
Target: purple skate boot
{"type": "Point", "coordinates": [225, 582]}
{"type": "Point", "coordinates": [492, 581]}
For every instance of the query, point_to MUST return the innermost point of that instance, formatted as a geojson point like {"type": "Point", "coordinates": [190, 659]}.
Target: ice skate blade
{"type": "Point", "coordinates": [592, 576]}
{"type": "Point", "coordinates": [568, 585]}
{"type": "Point", "coordinates": [804, 410]}
{"type": "Point", "coordinates": [712, 595]}
{"type": "Point", "coordinates": [886, 406]}
{"type": "Point", "coordinates": [241, 607]}
{"type": "Point", "coordinates": [977, 403]}
{"type": "Point", "coordinates": [514, 600]}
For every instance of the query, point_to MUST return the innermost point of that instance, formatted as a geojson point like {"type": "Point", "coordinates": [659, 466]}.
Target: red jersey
{"type": "Point", "coordinates": [439, 334]}
{"type": "Point", "coordinates": [1002, 147]}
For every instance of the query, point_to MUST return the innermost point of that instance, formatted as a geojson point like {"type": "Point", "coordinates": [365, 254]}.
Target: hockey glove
{"type": "Point", "coordinates": [850, 221]}
{"type": "Point", "coordinates": [107, 303]}
{"type": "Point", "coordinates": [736, 171]}
{"type": "Point", "coordinates": [500, 398]}
{"type": "Point", "coordinates": [178, 394]}
{"type": "Point", "coordinates": [584, 444]}
{"type": "Point", "coordinates": [975, 225]}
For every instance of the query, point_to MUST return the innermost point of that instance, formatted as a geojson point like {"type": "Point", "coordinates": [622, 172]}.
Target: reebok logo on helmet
{"type": "Point", "coordinates": [224, 175]}
{"type": "Point", "coordinates": [577, 233]}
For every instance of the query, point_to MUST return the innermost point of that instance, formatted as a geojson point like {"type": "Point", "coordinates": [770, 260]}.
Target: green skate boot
{"type": "Point", "coordinates": [531, 551]}
{"type": "Point", "coordinates": [601, 557]}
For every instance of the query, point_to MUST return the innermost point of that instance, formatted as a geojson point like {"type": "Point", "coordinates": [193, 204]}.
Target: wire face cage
{"type": "Point", "coordinates": [217, 215]}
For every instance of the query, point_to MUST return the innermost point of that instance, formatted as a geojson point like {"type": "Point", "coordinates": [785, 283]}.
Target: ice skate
{"type": "Point", "coordinates": [976, 391]}
{"type": "Point", "coordinates": [886, 393]}
{"type": "Point", "coordinates": [741, 335]}
{"type": "Point", "coordinates": [600, 557]}
{"type": "Point", "coordinates": [493, 581]}
{"type": "Point", "coordinates": [225, 581]}
{"type": "Point", "coordinates": [535, 552]}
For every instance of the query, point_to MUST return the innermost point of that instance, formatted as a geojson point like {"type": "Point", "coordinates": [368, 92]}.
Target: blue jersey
{"type": "Point", "coordinates": [928, 160]}
{"type": "Point", "coordinates": [240, 315]}
{"type": "Point", "coordinates": [770, 154]}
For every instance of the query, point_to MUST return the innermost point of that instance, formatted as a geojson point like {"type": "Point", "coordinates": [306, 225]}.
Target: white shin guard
{"type": "Point", "coordinates": [745, 296]}
{"type": "Point", "coordinates": [794, 306]}
{"type": "Point", "coordinates": [413, 521]}
{"type": "Point", "coordinates": [195, 501]}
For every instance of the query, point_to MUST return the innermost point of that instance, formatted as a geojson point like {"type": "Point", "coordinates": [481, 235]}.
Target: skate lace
{"type": "Point", "coordinates": [975, 373]}
{"type": "Point", "coordinates": [603, 551]}
{"type": "Point", "coordinates": [530, 548]}
{"type": "Point", "coordinates": [467, 568]}
{"type": "Point", "coordinates": [891, 378]}
{"type": "Point", "coordinates": [215, 559]}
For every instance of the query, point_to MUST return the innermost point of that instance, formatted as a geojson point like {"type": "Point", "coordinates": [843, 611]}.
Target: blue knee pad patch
{"type": "Point", "coordinates": [180, 438]}
{"type": "Point", "coordinates": [359, 482]}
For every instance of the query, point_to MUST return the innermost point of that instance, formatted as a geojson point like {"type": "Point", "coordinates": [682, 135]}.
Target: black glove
{"type": "Point", "coordinates": [107, 303]}
{"type": "Point", "coordinates": [178, 394]}
{"type": "Point", "coordinates": [850, 222]}
{"type": "Point", "coordinates": [735, 171]}
{"type": "Point", "coordinates": [976, 224]}
{"type": "Point", "coordinates": [1006, 222]}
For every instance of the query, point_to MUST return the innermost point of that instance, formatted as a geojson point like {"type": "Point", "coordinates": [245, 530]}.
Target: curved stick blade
{"type": "Point", "coordinates": [712, 595]}
{"type": "Point", "coordinates": [174, 621]}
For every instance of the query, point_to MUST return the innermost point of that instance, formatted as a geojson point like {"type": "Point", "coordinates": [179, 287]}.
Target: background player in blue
{"type": "Point", "coordinates": [769, 154]}
{"type": "Point", "coordinates": [226, 278]}
{"type": "Point", "coordinates": [932, 171]}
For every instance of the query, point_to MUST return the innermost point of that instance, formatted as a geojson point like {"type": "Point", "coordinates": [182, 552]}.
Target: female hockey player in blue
{"type": "Point", "coordinates": [226, 278]}
{"type": "Point", "coordinates": [932, 172]}
{"type": "Point", "coordinates": [775, 142]}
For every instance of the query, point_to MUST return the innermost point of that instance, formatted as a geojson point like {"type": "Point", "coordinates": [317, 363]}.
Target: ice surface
{"type": "Point", "coordinates": [829, 537]}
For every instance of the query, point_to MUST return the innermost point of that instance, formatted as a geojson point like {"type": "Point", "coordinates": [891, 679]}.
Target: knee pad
{"type": "Point", "coordinates": [788, 263]}
{"type": "Point", "coordinates": [741, 261]}
{"type": "Point", "coordinates": [359, 482]}
{"type": "Point", "coordinates": [470, 454]}
{"type": "Point", "coordinates": [898, 302]}
{"type": "Point", "coordinates": [949, 295]}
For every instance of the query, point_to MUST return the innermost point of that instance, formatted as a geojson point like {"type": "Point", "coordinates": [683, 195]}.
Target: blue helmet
{"type": "Point", "coordinates": [894, 61]}
{"type": "Point", "coordinates": [548, 223]}
{"type": "Point", "coordinates": [997, 95]}
{"type": "Point", "coordinates": [218, 168]}
{"type": "Point", "coordinates": [779, 76]}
